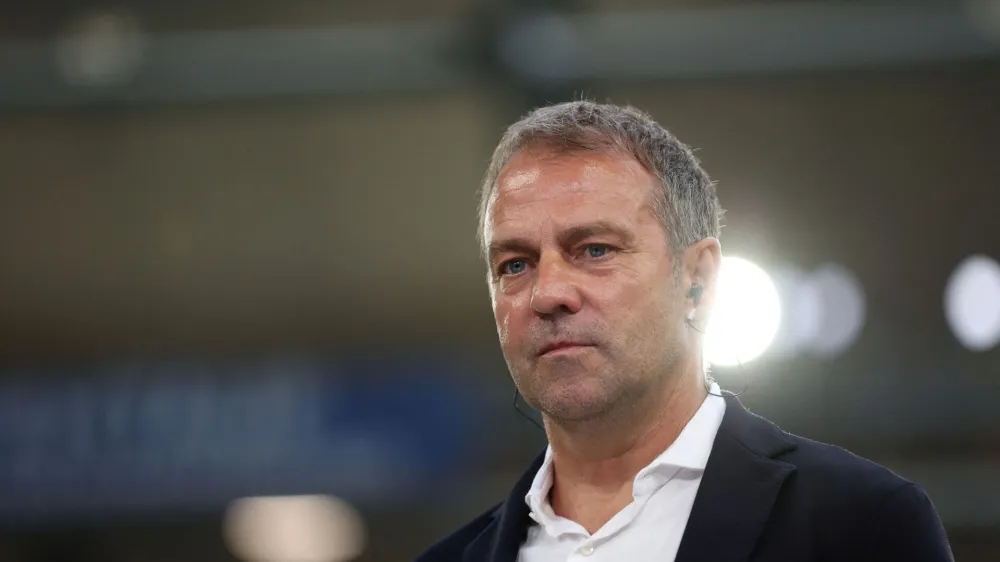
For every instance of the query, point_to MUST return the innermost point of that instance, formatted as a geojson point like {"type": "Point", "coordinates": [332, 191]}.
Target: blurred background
{"type": "Point", "coordinates": [242, 313]}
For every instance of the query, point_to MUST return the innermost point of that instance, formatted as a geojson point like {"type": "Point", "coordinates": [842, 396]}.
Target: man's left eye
{"type": "Point", "coordinates": [597, 250]}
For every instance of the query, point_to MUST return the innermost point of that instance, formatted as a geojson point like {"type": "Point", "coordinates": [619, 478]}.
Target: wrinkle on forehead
{"type": "Point", "coordinates": [533, 177]}
{"type": "Point", "coordinates": [564, 173]}
{"type": "Point", "coordinates": [525, 168]}
{"type": "Point", "coordinates": [520, 178]}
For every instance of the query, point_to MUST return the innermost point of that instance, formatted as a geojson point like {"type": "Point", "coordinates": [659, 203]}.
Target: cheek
{"type": "Point", "coordinates": [623, 296]}
{"type": "Point", "coordinates": [502, 314]}
{"type": "Point", "coordinates": [509, 319]}
{"type": "Point", "coordinates": [503, 328]}
{"type": "Point", "coordinates": [638, 305]}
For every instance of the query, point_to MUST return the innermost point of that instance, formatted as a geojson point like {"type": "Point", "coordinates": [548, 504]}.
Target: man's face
{"type": "Point", "coordinates": [582, 282]}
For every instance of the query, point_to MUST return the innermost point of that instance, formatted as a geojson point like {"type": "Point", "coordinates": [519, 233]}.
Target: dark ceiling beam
{"type": "Point", "coordinates": [545, 48]}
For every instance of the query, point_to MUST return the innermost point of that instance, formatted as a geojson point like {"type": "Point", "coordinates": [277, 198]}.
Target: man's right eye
{"type": "Point", "coordinates": [513, 267]}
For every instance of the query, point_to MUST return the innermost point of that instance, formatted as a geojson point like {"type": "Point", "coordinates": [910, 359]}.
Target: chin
{"type": "Point", "coordinates": [574, 400]}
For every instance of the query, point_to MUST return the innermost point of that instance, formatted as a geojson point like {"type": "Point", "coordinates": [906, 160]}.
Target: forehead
{"type": "Point", "coordinates": [540, 186]}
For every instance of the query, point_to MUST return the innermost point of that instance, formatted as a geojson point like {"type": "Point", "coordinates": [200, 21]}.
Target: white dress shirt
{"type": "Point", "coordinates": [649, 528]}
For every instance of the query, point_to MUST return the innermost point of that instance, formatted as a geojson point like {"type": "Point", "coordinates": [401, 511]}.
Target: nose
{"type": "Point", "coordinates": [556, 290]}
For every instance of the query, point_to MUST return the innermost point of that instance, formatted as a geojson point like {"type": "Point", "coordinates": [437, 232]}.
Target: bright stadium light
{"type": "Point", "coordinates": [822, 311]}
{"type": "Point", "coordinates": [972, 303]}
{"type": "Point", "coordinates": [841, 310]}
{"type": "Point", "coordinates": [746, 315]}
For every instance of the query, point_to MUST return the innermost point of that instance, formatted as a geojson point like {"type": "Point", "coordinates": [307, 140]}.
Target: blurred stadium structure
{"type": "Point", "coordinates": [238, 252]}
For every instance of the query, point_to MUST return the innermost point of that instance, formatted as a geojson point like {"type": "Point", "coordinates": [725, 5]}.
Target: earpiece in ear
{"type": "Point", "coordinates": [695, 294]}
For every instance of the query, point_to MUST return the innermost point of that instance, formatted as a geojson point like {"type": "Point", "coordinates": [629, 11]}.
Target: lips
{"type": "Point", "coordinates": [562, 344]}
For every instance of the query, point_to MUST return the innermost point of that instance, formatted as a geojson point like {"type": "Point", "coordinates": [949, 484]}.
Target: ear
{"type": "Point", "coordinates": [701, 263]}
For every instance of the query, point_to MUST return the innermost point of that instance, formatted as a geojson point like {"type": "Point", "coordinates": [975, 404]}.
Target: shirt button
{"type": "Point", "coordinates": [587, 550]}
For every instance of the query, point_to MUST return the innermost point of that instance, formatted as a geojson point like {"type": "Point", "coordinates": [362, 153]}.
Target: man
{"type": "Point", "coordinates": [601, 234]}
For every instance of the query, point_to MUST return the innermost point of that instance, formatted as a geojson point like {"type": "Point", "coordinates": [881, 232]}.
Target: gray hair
{"type": "Point", "coordinates": [686, 204]}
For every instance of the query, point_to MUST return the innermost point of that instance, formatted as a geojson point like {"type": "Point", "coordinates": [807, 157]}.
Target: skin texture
{"type": "Point", "coordinates": [590, 308]}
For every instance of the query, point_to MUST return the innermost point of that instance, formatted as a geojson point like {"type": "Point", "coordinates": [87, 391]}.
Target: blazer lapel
{"type": "Point", "coordinates": [501, 540]}
{"type": "Point", "coordinates": [738, 489]}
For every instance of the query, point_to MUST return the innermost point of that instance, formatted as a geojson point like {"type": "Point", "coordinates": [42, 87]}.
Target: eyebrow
{"type": "Point", "coordinates": [568, 237]}
{"type": "Point", "coordinates": [577, 234]}
{"type": "Point", "coordinates": [509, 245]}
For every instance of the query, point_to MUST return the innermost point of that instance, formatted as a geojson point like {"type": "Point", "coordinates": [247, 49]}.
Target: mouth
{"type": "Point", "coordinates": [563, 347]}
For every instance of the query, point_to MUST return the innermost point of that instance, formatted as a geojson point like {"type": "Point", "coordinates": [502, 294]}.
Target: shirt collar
{"type": "Point", "coordinates": [538, 495]}
{"type": "Point", "coordinates": [694, 444]}
{"type": "Point", "coordinates": [689, 451]}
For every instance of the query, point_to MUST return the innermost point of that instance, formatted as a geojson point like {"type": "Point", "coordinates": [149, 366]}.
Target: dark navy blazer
{"type": "Point", "coordinates": [765, 496]}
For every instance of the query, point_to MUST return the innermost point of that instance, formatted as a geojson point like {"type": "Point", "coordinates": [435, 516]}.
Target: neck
{"type": "Point", "coordinates": [595, 462]}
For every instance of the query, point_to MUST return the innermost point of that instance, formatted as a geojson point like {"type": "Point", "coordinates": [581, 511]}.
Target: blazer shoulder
{"type": "Point", "coordinates": [811, 459]}
{"type": "Point", "coordinates": [832, 475]}
{"type": "Point", "coordinates": [888, 516]}
{"type": "Point", "coordinates": [451, 547]}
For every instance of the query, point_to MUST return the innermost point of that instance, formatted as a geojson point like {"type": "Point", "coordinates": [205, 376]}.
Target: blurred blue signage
{"type": "Point", "coordinates": [193, 436]}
